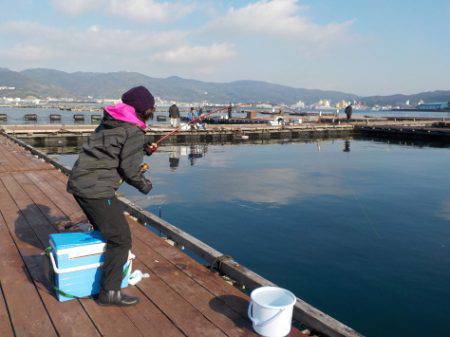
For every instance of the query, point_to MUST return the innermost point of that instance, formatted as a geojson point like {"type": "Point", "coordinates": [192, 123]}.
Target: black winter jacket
{"type": "Point", "coordinates": [112, 153]}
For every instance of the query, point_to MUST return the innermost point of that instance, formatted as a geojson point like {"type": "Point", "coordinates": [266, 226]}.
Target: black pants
{"type": "Point", "coordinates": [106, 216]}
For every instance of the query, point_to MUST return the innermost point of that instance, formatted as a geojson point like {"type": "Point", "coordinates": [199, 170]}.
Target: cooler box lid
{"type": "Point", "coordinates": [77, 244]}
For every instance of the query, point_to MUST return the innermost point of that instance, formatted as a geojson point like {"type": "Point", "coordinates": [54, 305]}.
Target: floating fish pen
{"type": "Point", "coordinates": [95, 118]}
{"type": "Point", "coordinates": [3, 117]}
{"type": "Point", "coordinates": [233, 121]}
{"type": "Point", "coordinates": [55, 118]}
{"type": "Point", "coordinates": [161, 118]}
{"type": "Point", "coordinates": [30, 117]}
{"type": "Point", "coordinates": [78, 118]}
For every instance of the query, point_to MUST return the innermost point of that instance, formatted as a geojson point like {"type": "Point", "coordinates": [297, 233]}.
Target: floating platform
{"type": "Point", "coordinates": [182, 297]}
{"type": "Point", "coordinates": [407, 132]}
{"type": "Point", "coordinates": [53, 135]}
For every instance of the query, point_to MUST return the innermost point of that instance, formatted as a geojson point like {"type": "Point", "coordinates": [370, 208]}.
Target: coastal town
{"type": "Point", "coordinates": [325, 104]}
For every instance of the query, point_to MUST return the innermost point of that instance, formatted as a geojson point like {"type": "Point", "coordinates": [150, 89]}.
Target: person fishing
{"type": "Point", "coordinates": [349, 111]}
{"type": "Point", "coordinates": [113, 154]}
{"type": "Point", "coordinates": [229, 111]}
{"type": "Point", "coordinates": [191, 117]}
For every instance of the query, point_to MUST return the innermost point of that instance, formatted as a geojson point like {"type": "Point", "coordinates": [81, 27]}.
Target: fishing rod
{"type": "Point", "coordinates": [193, 121]}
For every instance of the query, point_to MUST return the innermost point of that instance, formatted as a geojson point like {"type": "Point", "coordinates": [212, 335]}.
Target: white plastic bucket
{"type": "Point", "coordinates": [270, 311]}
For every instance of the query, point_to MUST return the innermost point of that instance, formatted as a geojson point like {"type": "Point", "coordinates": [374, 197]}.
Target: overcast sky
{"type": "Point", "coordinates": [357, 46]}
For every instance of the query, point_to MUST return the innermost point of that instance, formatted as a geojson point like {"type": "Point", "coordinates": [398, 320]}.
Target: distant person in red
{"type": "Point", "coordinates": [113, 154]}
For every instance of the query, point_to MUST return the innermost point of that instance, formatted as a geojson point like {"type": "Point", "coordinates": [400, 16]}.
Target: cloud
{"type": "Point", "coordinates": [279, 185]}
{"type": "Point", "coordinates": [92, 39]}
{"type": "Point", "coordinates": [188, 55]}
{"type": "Point", "coordinates": [277, 18]}
{"type": "Point", "coordinates": [26, 29]}
{"type": "Point", "coordinates": [77, 7]}
{"type": "Point", "coordinates": [148, 10]}
{"type": "Point", "coordinates": [135, 10]}
{"type": "Point", "coordinates": [101, 48]}
{"type": "Point", "coordinates": [28, 53]}
{"type": "Point", "coordinates": [94, 42]}
{"type": "Point", "coordinates": [272, 186]}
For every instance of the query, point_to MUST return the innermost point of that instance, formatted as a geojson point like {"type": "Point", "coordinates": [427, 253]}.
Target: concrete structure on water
{"type": "Point", "coordinates": [439, 106]}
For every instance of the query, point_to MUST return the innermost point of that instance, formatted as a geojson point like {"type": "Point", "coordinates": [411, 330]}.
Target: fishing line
{"type": "Point", "coordinates": [191, 122]}
{"type": "Point", "coordinates": [365, 213]}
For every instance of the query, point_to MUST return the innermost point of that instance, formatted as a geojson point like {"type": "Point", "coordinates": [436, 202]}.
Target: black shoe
{"type": "Point", "coordinates": [116, 297]}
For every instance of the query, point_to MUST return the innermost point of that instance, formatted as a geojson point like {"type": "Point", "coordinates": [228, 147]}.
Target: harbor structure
{"type": "Point", "coordinates": [437, 106]}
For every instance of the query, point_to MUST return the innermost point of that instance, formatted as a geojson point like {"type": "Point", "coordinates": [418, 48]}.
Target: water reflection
{"type": "Point", "coordinates": [196, 152]}
{"type": "Point", "coordinates": [346, 146]}
{"type": "Point", "coordinates": [193, 154]}
{"type": "Point", "coordinates": [174, 157]}
{"type": "Point", "coordinates": [445, 213]}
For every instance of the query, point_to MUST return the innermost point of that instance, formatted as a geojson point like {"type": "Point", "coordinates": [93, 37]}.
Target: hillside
{"type": "Point", "coordinates": [55, 83]}
{"type": "Point", "coordinates": [48, 82]}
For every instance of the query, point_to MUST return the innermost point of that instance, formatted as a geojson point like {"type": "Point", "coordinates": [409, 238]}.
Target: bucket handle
{"type": "Point", "coordinates": [261, 323]}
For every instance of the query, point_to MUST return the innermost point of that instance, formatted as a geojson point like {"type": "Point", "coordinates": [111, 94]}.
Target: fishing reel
{"type": "Point", "coordinates": [144, 167]}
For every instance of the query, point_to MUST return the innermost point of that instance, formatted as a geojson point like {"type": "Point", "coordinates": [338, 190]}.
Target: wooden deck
{"type": "Point", "coordinates": [181, 297]}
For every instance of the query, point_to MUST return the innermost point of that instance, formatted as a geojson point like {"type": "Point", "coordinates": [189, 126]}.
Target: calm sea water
{"type": "Point", "coordinates": [359, 229]}
{"type": "Point", "coordinates": [15, 115]}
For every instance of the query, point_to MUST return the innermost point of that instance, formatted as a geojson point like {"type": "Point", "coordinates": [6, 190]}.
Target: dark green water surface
{"type": "Point", "coordinates": [359, 229]}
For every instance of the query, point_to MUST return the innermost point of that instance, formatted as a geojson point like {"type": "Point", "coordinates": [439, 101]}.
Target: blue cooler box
{"type": "Point", "coordinates": [75, 259]}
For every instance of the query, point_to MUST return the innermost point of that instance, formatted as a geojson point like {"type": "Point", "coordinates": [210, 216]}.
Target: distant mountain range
{"type": "Point", "coordinates": [54, 83]}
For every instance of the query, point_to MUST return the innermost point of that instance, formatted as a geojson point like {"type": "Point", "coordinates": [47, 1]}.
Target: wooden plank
{"type": "Point", "coordinates": [69, 318]}
{"type": "Point", "coordinates": [6, 329]}
{"type": "Point", "coordinates": [28, 209]}
{"type": "Point", "coordinates": [12, 162]}
{"type": "Point", "coordinates": [27, 312]}
{"type": "Point", "coordinates": [36, 152]}
{"type": "Point", "coordinates": [222, 316]}
{"type": "Point", "coordinates": [47, 207]}
{"type": "Point", "coordinates": [59, 183]}
{"type": "Point", "coordinates": [59, 175]}
{"type": "Point", "coordinates": [178, 310]}
{"type": "Point", "coordinates": [22, 160]}
{"type": "Point", "coordinates": [151, 321]}
{"type": "Point", "coordinates": [110, 321]}
{"type": "Point", "coordinates": [64, 201]}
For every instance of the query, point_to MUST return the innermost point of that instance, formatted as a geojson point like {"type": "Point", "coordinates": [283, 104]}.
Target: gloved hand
{"type": "Point", "coordinates": [146, 186]}
{"type": "Point", "coordinates": [151, 148]}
